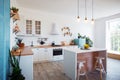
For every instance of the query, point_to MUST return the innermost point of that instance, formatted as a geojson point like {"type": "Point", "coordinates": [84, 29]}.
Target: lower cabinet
{"type": "Point", "coordinates": [42, 54]}
{"type": "Point", "coordinates": [27, 71]}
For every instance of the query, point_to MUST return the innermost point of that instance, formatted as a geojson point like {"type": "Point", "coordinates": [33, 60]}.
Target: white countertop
{"type": "Point", "coordinates": [78, 50]}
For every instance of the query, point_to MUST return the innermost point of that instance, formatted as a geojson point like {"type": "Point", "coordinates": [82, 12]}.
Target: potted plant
{"type": "Point", "coordinates": [79, 35]}
{"type": "Point", "coordinates": [19, 42]}
{"type": "Point", "coordinates": [89, 41]}
{"type": "Point", "coordinates": [16, 73]}
{"type": "Point", "coordinates": [14, 9]}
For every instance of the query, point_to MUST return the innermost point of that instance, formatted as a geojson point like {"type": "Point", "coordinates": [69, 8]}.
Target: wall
{"type": "Point", "coordinates": [13, 3]}
{"type": "Point", "coordinates": [100, 30]}
{"type": "Point", "coordinates": [47, 19]}
{"type": "Point", "coordinates": [4, 38]}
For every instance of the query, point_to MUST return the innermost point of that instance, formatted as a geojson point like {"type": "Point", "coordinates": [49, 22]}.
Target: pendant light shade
{"type": "Point", "coordinates": [86, 20]}
{"type": "Point", "coordinates": [92, 21]}
{"type": "Point", "coordinates": [78, 18]}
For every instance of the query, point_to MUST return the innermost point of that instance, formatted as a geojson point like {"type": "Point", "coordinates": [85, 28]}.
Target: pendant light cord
{"type": "Point", "coordinates": [85, 9]}
{"type": "Point", "coordinates": [92, 9]}
{"type": "Point", "coordinates": [78, 7]}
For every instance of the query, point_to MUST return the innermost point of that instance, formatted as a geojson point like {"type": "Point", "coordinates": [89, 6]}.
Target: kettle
{"type": "Point", "coordinates": [53, 43]}
{"type": "Point", "coordinates": [42, 42]}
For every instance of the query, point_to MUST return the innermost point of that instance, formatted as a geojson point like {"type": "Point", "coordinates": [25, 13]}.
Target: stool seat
{"type": "Point", "coordinates": [81, 69]}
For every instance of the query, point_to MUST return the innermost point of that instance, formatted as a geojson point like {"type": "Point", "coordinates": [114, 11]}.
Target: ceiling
{"type": "Point", "coordinates": [101, 8]}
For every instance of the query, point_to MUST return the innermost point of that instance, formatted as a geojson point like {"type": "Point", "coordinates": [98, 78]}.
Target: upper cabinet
{"type": "Point", "coordinates": [33, 27]}
{"type": "Point", "coordinates": [30, 27]}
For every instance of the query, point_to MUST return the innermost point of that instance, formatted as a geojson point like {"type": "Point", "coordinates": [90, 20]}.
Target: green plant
{"type": "Point", "coordinates": [16, 71]}
{"type": "Point", "coordinates": [14, 9]}
{"type": "Point", "coordinates": [89, 41]}
{"type": "Point", "coordinates": [80, 36]}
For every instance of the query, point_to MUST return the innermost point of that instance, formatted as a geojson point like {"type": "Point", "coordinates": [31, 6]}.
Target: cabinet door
{"type": "Point", "coordinates": [33, 27]}
{"type": "Point", "coordinates": [48, 54]}
{"type": "Point", "coordinates": [35, 55]}
{"type": "Point", "coordinates": [45, 54]}
{"type": "Point", "coordinates": [41, 56]}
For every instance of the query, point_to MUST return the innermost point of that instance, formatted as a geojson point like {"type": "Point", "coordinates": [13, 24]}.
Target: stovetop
{"type": "Point", "coordinates": [56, 45]}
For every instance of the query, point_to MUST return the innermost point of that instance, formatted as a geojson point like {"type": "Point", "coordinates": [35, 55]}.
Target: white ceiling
{"type": "Point", "coordinates": [102, 8]}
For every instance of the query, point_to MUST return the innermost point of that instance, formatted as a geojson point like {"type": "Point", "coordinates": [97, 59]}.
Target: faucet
{"type": "Point", "coordinates": [31, 43]}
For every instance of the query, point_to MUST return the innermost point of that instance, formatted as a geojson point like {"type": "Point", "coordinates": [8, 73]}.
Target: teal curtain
{"type": "Point", "coordinates": [4, 38]}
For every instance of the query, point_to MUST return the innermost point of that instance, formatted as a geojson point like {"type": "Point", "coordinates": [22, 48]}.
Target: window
{"type": "Point", "coordinates": [28, 26]}
{"type": "Point", "coordinates": [114, 35]}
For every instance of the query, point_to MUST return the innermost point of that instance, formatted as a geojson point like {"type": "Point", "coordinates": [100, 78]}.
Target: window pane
{"type": "Point", "coordinates": [115, 35]}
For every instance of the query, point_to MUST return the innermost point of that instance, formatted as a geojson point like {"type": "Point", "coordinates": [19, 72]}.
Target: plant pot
{"type": "Point", "coordinates": [21, 45]}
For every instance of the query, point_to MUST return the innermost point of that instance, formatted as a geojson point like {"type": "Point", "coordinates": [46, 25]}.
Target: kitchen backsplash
{"type": "Point", "coordinates": [28, 40]}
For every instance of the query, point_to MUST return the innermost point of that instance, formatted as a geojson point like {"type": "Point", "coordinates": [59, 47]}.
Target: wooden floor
{"type": "Point", "coordinates": [54, 71]}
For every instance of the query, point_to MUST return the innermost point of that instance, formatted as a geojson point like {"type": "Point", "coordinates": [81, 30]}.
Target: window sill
{"type": "Point", "coordinates": [113, 52]}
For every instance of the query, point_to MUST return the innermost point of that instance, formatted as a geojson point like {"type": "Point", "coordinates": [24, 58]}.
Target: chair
{"type": "Point", "coordinates": [99, 66]}
{"type": "Point", "coordinates": [81, 69]}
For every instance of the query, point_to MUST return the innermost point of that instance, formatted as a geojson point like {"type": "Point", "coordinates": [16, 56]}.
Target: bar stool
{"type": "Point", "coordinates": [81, 69]}
{"type": "Point", "coordinates": [99, 66]}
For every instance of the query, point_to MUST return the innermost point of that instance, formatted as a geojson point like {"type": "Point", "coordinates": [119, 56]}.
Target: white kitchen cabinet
{"type": "Point", "coordinates": [26, 65]}
{"type": "Point", "coordinates": [45, 54]}
{"type": "Point", "coordinates": [42, 54]}
{"type": "Point", "coordinates": [29, 27]}
{"type": "Point", "coordinates": [35, 54]}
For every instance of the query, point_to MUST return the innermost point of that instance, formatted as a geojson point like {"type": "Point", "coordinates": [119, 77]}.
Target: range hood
{"type": "Point", "coordinates": [55, 30]}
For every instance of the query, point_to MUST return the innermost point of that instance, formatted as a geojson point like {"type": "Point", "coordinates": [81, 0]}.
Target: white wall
{"type": "Point", "coordinates": [13, 3]}
{"type": "Point", "coordinates": [100, 30]}
{"type": "Point", "coordinates": [47, 19]}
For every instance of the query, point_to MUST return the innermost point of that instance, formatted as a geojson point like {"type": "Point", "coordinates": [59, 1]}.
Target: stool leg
{"type": "Point", "coordinates": [103, 68]}
{"type": "Point", "coordinates": [100, 72]}
{"type": "Point", "coordinates": [85, 73]}
{"type": "Point", "coordinates": [96, 64]}
{"type": "Point", "coordinates": [78, 75]}
{"type": "Point", "coordinates": [86, 76]}
{"type": "Point", "coordinates": [82, 71]}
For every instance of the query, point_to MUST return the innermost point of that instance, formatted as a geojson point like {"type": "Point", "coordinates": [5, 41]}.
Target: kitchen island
{"type": "Point", "coordinates": [72, 55]}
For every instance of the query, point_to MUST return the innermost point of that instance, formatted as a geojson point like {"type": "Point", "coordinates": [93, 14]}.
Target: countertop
{"type": "Point", "coordinates": [27, 50]}
{"type": "Point", "coordinates": [49, 46]}
{"type": "Point", "coordinates": [78, 50]}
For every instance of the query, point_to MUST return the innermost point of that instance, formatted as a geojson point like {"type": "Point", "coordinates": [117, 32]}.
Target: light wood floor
{"type": "Point", "coordinates": [54, 71]}
{"type": "Point", "coordinates": [49, 71]}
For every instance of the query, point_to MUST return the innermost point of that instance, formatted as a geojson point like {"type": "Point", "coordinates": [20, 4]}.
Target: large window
{"type": "Point", "coordinates": [114, 35]}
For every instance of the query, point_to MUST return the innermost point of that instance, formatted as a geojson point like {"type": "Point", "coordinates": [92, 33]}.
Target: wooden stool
{"type": "Point", "coordinates": [81, 69]}
{"type": "Point", "coordinates": [99, 66]}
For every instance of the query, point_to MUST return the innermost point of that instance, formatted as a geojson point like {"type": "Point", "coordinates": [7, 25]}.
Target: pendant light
{"type": "Point", "coordinates": [92, 20]}
{"type": "Point", "coordinates": [86, 12]}
{"type": "Point", "coordinates": [78, 17]}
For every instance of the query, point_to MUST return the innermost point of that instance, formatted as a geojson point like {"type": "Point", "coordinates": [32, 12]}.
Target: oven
{"type": "Point", "coordinates": [57, 54]}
